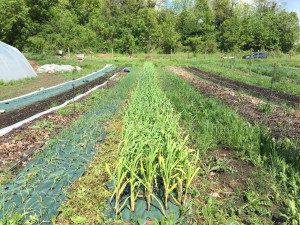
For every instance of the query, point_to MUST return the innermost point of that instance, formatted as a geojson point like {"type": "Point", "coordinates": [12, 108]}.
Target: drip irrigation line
{"type": "Point", "coordinates": [30, 154]}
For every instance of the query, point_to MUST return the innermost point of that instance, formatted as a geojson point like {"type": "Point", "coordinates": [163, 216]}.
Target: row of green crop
{"type": "Point", "coordinates": [215, 66]}
{"type": "Point", "coordinates": [210, 125]}
{"type": "Point", "coordinates": [153, 148]}
{"type": "Point", "coordinates": [261, 68]}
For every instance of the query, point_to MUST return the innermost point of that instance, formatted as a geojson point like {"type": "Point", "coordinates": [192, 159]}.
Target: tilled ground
{"type": "Point", "coordinates": [12, 117]}
{"type": "Point", "coordinates": [18, 143]}
{"type": "Point", "coordinates": [292, 100]}
{"type": "Point", "coordinates": [281, 122]}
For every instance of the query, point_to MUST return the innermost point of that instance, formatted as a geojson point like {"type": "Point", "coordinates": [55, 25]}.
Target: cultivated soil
{"type": "Point", "coordinates": [281, 122]}
{"type": "Point", "coordinates": [104, 56]}
{"type": "Point", "coordinates": [34, 65]}
{"type": "Point", "coordinates": [12, 117]}
{"type": "Point", "coordinates": [18, 143]}
{"type": "Point", "coordinates": [155, 57]}
{"type": "Point", "coordinates": [292, 100]}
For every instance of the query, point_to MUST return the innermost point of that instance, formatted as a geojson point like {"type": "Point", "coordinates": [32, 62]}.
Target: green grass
{"type": "Point", "coordinates": [210, 125]}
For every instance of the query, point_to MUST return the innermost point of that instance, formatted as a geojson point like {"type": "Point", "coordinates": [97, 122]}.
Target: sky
{"type": "Point", "coordinates": [289, 5]}
{"type": "Point", "coordinates": [293, 5]}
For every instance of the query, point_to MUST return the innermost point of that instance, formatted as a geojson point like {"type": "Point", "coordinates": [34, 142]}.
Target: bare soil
{"type": "Point", "coordinates": [104, 56]}
{"type": "Point", "coordinates": [155, 57]}
{"type": "Point", "coordinates": [34, 65]}
{"type": "Point", "coordinates": [292, 100]}
{"type": "Point", "coordinates": [281, 122]}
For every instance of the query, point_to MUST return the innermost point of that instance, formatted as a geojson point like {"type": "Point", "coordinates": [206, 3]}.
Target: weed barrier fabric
{"type": "Point", "coordinates": [42, 186]}
{"type": "Point", "coordinates": [141, 214]}
{"type": "Point", "coordinates": [16, 103]}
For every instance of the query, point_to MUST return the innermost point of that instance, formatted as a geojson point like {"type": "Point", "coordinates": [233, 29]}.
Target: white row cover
{"type": "Point", "coordinates": [13, 64]}
{"type": "Point", "coordinates": [53, 68]}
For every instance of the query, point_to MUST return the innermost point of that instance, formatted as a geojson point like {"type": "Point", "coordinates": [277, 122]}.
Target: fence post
{"type": "Point", "coordinates": [112, 52]}
{"type": "Point", "coordinates": [223, 58]}
{"type": "Point", "coordinates": [69, 53]}
{"type": "Point", "coordinates": [132, 52]}
{"type": "Point", "coordinates": [250, 62]}
{"type": "Point", "coordinates": [171, 54]}
{"type": "Point", "coordinates": [272, 82]}
{"type": "Point", "coordinates": [73, 98]}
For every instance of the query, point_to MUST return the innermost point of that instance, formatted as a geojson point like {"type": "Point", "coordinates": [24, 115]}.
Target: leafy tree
{"type": "Point", "coordinates": [13, 21]}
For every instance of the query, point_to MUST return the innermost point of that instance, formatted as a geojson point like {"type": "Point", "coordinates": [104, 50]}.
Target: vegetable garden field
{"type": "Point", "coordinates": [171, 141]}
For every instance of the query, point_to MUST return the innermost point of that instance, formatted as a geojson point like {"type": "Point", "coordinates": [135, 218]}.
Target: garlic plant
{"type": "Point", "coordinates": [153, 149]}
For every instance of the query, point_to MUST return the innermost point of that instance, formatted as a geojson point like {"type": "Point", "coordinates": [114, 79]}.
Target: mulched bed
{"type": "Point", "coordinates": [292, 100]}
{"type": "Point", "coordinates": [281, 122]}
{"type": "Point", "coordinates": [12, 117]}
{"type": "Point", "coordinates": [18, 143]}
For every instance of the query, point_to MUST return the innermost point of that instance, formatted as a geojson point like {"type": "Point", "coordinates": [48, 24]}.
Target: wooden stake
{"type": "Point", "coordinates": [171, 54]}
{"type": "Point", "coordinates": [69, 53]}
{"type": "Point", "coordinates": [44, 51]}
{"type": "Point", "coordinates": [272, 82]}
{"type": "Point", "coordinates": [223, 58]}
{"type": "Point", "coordinates": [250, 62]}
{"type": "Point", "coordinates": [132, 52]}
{"type": "Point", "coordinates": [112, 52]}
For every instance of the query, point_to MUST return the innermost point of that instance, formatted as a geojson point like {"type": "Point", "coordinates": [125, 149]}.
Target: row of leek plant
{"type": "Point", "coordinates": [153, 153]}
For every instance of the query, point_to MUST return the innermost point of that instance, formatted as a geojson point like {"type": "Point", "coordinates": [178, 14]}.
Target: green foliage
{"type": "Point", "coordinates": [10, 218]}
{"type": "Point", "coordinates": [265, 108]}
{"type": "Point", "coordinates": [44, 125]}
{"type": "Point", "coordinates": [210, 125]}
{"type": "Point", "coordinates": [142, 25]}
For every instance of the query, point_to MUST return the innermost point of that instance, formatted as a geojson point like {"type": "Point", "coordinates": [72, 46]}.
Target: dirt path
{"type": "Point", "coordinates": [259, 92]}
{"type": "Point", "coordinates": [282, 123]}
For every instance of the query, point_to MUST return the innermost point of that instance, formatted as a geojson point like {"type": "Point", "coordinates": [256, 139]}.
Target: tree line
{"type": "Point", "coordinates": [147, 25]}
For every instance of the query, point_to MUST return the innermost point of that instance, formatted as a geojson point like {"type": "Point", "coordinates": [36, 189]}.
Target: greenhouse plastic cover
{"type": "Point", "coordinates": [13, 64]}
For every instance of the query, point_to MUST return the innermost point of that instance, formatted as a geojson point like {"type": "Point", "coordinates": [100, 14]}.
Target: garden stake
{"type": "Point", "coordinates": [272, 83]}
{"type": "Point", "coordinates": [73, 98]}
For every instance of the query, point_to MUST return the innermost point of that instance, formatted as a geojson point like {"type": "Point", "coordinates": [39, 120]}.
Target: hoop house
{"type": "Point", "coordinates": [13, 64]}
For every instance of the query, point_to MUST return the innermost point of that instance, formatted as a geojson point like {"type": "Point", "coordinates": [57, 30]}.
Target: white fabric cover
{"type": "Point", "coordinates": [13, 64]}
{"type": "Point", "coordinates": [53, 68]}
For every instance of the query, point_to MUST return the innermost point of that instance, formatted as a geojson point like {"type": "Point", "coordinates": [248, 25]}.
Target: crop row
{"type": "Point", "coordinates": [267, 70]}
{"type": "Point", "coordinates": [283, 83]}
{"type": "Point", "coordinates": [211, 125]}
{"type": "Point", "coordinates": [153, 154]}
{"type": "Point", "coordinates": [40, 188]}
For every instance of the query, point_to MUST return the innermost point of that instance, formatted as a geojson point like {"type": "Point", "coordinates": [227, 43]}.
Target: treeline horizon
{"type": "Point", "coordinates": [147, 25]}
